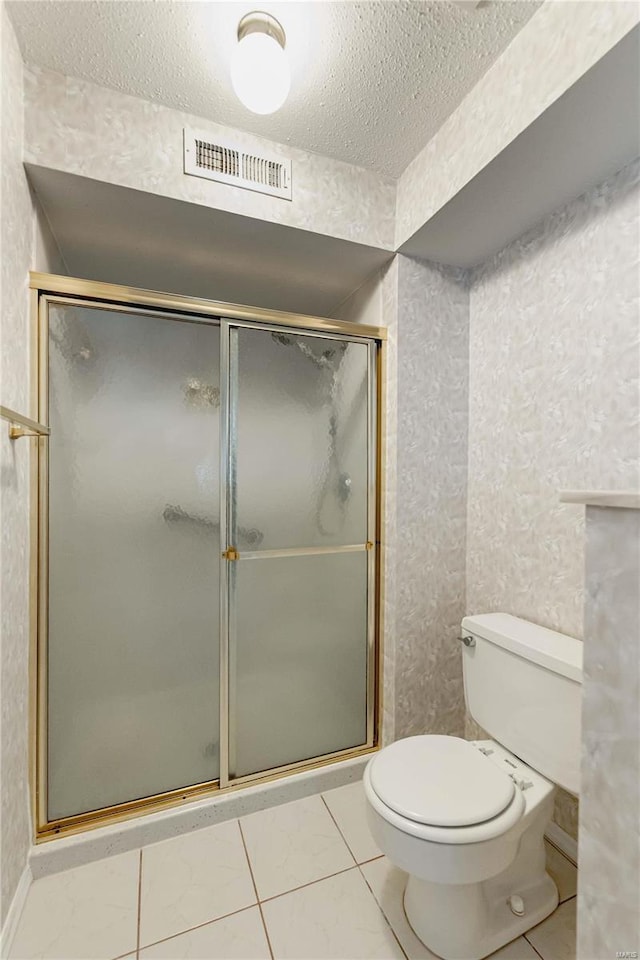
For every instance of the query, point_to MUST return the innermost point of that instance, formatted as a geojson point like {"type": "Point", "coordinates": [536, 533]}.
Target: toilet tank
{"type": "Point", "coordinates": [522, 684]}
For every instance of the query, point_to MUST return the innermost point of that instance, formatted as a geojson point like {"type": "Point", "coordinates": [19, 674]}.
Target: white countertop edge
{"type": "Point", "coordinates": [628, 499]}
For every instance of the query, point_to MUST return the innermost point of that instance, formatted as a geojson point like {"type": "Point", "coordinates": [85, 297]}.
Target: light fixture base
{"type": "Point", "coordinates": [259, 22]}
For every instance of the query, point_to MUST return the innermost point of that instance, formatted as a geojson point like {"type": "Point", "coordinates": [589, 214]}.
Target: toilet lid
{"type": "Point", "coordinates": [442, 781]}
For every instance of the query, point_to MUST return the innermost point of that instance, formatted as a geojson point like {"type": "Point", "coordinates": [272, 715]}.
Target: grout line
{"type": "Point", "coordinates": [255, 888]}
{"type": "Point", "coordinates": [266, 932]}
{"type": "Point", "coordinates": [561, 852]}
{"type": "Point", "coordinates": [525, 934]}
{"type": "Point", "coordinates": [139, 905]}
{"type": "Point", "coordinates": [309, 884]}
{"type": "Point", "coordinates": [386, 919]}
{"type": "Point", "coordinates": [532, 946]}
{"type": "Point", "coordinates": [338, 828]}
{"type": "Point", "coordinates": [565, 900]}
{"type": "Point", "coordinates": [198, 926]}
{"type": "Point", "coordinates": [260, 901]}
{"type": "Point", "coordinates": [246, 853]}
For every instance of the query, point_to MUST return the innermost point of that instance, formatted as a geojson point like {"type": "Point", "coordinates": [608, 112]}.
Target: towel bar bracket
{"type": "Point", "coordinates": [20, 426]}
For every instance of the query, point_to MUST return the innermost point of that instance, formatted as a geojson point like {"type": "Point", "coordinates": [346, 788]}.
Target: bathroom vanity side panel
{"type": "Point", "coordinates": [609, 877]}
{"type": "Point", "coordinates": [433, 313]}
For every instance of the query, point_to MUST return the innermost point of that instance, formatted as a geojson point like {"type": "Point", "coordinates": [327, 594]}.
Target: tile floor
{"type": "Point", "coordinates": [303, 881]}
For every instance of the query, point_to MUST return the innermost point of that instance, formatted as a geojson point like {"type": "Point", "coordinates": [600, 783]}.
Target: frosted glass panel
{"type": "Point", "coordinates": [301, 429]}
{"type": "Point", "coordinates": [300, 652]}
{"type": "Point", "coordinates": [134, 557]}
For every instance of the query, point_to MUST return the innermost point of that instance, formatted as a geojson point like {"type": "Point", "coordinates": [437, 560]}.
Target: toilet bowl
{"type": "Point", "coordinates": [466, 819]}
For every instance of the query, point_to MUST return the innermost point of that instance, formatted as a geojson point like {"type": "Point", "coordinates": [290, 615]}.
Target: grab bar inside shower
{"type": "Point", "coordinates": [250, 536]}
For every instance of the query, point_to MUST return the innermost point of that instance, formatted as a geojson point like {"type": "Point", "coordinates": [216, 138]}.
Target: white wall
{"type": "Point", "coordinates": [375, 303]}
{"type": "Point", "coordinates": [433, 331]}
{"type": "Point", "coordinates": [17, 237]}
{"type": "Point", "coordinates": [26, 243]}
{"type": "Point", "coordinates": [554, 399]}
{"type": "Point", "coordinates": [425, 308]}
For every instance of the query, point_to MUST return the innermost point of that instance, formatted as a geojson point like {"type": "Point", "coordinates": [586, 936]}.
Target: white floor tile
{"type": "Point", "coordinates": [562, 871]}
{"type": "Point", "coordinates": [555, 937]}
{"type": "Point", "coordinates": [238, 937]}
{"type": "Point", "coordinates": [516, 950]}
{"type": "Point", "coordinates": [334, 919]}
{"type": "Point", "coordinates": [89, 912]}
{"type": "Point", "coordinates": [388, 883]}
{"type": "Point", "coordinates": [293, 844]}
{"type": "Point", "coordinates": [193, 879]}
{"type": "Point", "coordinates": [348, 807]}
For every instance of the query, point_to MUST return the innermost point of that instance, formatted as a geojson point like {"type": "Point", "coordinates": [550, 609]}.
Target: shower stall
{"type": "Point", "coordinates": [208, 547]}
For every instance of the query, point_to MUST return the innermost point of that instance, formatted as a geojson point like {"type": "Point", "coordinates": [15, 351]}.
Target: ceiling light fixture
{"type": "Point", "coordinates": [259, 66]}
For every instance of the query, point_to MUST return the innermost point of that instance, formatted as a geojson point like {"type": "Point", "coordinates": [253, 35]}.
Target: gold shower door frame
{"type": "Point", "coordinates": [48, 289]}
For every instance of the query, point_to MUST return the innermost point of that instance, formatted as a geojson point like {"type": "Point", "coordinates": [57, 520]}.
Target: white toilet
{"type": "Point", "coordinates": [466, 820]}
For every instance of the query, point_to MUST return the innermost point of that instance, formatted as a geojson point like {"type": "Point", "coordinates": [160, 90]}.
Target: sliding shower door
{"type": "Point", "coordinates": [207, 549]}
{"type": "Point", "coordinates": [134, 556]}
{"type": "Point", "coordinates": [300, 529]}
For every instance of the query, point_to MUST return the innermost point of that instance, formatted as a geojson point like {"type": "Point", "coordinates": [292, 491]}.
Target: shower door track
{"type": "Point", "coordinates": [46, 289]}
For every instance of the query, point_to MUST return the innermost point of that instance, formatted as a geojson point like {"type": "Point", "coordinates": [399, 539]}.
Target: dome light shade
{"type": "Point", "coordinates": [259, 67]}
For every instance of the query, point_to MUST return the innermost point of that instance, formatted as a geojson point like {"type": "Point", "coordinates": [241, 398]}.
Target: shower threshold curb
{"type": "Point", "coordinates": [66, 852]}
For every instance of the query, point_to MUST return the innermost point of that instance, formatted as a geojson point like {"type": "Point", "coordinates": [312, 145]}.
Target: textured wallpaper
{"type": "Point", "coordinates": [554, 404]}
{"type": "Point", "coordinates": [16, 214]}
{"type": "Point", "coordinates": [568, 38]}
{"type": "Point", "coordinates": [376, 303]}
{"type": "Point", "coordinates": [433, 314]}
{"type": "Point", "coordinates": [389, 319]}
{"type": "Point", "coordinates": [425, 309]}
{"type": "Point", "coordinates": [554, 400]}
{"type": "Point", "coordinates": [81, 128]}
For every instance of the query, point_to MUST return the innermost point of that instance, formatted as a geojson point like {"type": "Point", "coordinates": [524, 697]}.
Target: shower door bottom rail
{"type": "Point", "coordinates": [117, 813]}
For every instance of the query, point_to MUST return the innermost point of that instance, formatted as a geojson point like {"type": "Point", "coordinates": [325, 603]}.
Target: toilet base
{"type": "Point", "coordinates": [472, 920]}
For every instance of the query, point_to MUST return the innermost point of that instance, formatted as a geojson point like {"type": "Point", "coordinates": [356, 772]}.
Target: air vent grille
{"type": "Point", "coordinates": [226, 163]}
{"type": "Point", "coordinates": [211, 156]}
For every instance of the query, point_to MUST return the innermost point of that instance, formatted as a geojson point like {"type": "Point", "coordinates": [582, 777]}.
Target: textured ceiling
{"type": "Point", "coordinates": [371, 82]}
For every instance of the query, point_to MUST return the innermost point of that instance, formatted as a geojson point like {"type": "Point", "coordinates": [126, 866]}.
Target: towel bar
{"type": "Point", "coordinates": [20, 426]}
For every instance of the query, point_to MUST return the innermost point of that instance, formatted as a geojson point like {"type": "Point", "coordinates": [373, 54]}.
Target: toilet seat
{"type": "Point", "coordinates": [463, 834]}
{"type": "Point", "coordinates": [441, 781]}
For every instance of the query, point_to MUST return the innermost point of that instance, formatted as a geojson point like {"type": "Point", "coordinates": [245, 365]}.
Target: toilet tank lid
{"type": "Point", "coordinates": [555, 651]}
